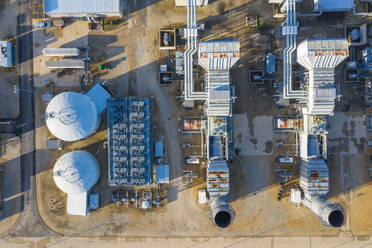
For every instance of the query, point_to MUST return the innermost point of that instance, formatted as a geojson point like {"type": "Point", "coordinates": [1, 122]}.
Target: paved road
{"type": "Point", "coordinates": [29, 223]}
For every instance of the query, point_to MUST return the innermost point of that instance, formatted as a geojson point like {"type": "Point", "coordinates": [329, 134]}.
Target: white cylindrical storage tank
{"type": "Point", "coordinates": [76, 172]}
{"type": "Point", "coordinates": [71, 116]}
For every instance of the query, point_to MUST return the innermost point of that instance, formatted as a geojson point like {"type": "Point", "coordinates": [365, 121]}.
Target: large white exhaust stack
{"type": "Point", "coordinates": [330, 213]}
{"type": "Point", "coordinates": [221, 213]}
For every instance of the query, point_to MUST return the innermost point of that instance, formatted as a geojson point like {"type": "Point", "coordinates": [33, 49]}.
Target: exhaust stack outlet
{"type": "Point", "coordinates": [330, 213]}
{"type": "Point", "coordinates": [221, 213]}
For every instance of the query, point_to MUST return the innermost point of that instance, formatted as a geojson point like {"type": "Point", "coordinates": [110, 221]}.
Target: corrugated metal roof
{"type": "Point", "coordinates": [65, 63]}
{"type": "Point", "coordinates": [333, 5]}
{"type": "Point", "coordinates": [159, 149]}
{"type": "Point", "coordinates": [162, 174]}
{"type": "Point", "coordinates": [77, 204]}
{"type": "Point", "coordinates": [61, 52]}
{"type": "Point", "coordinates": [81, 6]}
{"type": "Point", "coordinates": [99, 95]}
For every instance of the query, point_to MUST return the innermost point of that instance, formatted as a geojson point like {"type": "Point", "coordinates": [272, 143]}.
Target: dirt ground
{"type": "Point", "coordinates": [132, 50]}
{"type": "Point", "coordinates": [71, 36]}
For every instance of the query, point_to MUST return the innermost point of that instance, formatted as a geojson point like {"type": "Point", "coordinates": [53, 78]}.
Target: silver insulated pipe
{"type": "Point", "coordinates": [330, 213]}
{"type": "Point", "coordinates": [221, 213]}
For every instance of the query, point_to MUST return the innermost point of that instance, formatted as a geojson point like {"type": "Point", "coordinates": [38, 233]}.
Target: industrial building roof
{"type": "Point", "coordinates": [99, 95]}
{"type": "Point", "coordinates": [77, 204]}
{"type": "Point", "coordinates": [219, 96]}
{"type": "Point", "coordinates": [6, 59]}
{"type": "Point", "coordinates": [162, 174]}
{"type": "Point", "coordinates": [71, 116]}
{"type": "Point", "coordinates": [322, 53]}
{"type": "Point", "coordinates": [61, 52]}
{"type": "Point", "coordinates": [76, 172]}
{"type": "Point", "coordinates": [65, 63]}
{"type": "Point", "coordinates": [159, 149]}
{"type": "Point", "coordinates": [71, 7]}
{"type": "Point", "coordinates": [333, 5]}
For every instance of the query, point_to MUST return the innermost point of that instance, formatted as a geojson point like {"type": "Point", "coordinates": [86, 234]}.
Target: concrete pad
{"type": "Point", "coordinates": [255, 138]}
{"type": "Point", "coordinates": [347, 132]}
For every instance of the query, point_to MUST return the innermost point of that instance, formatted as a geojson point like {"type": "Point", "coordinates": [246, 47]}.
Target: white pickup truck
{"type": "Point", "coordinates": [285, 159]}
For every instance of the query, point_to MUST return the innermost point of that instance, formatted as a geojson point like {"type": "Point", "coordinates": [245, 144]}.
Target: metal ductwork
{"type": "Point", "coordinates": [330, 213]}
{"type": "Point", "coordinates": [221, 213]}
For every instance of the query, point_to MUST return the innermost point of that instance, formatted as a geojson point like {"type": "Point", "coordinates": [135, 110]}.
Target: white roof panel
{"type": "Point", "coordinates": [77, 204]}
{"type": "Point", "coordinates": [65, 63]}
{"type": "Point", "coordinates": [81, 6]}
{"type": "Point", "coordinates": [61, 52]}
{"type": "Point", "coordinates": [99, 95]}
{"type": "Point", "coordinates": [6, 54]}
{"type": "Point", "coordinates": [162, 174]}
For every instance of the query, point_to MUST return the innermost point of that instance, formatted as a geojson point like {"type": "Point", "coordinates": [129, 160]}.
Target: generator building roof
{"type": "Point", "coordinates": [83, 7]}
{"type": "Point", "coordinates": [333, 5]}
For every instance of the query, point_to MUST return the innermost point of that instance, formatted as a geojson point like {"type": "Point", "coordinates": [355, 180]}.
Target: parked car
{"type": "Point", "coordinates": [42, 25]}
{"type": "Point", "coordinates": [285, 159]}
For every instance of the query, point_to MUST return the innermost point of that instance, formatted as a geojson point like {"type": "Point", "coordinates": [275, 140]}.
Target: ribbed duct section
{"type": "Point", "coordinates": [221, 213]}
{"type": "Point", "coordinates": [330, 213]}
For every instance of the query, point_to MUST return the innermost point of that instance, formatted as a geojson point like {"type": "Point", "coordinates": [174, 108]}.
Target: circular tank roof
{"type": "Point", "coordinates": [71, 116]}
{"type": "Point", "coordinates": [76, 172]}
